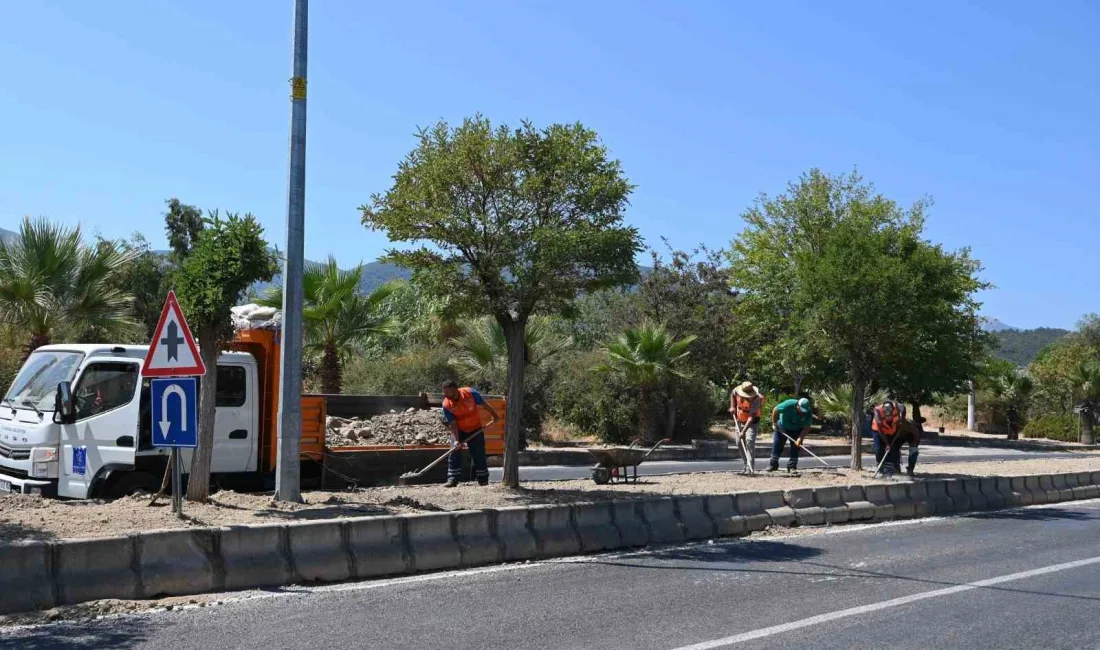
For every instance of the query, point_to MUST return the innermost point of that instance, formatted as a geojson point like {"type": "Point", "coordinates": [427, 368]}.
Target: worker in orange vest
{"type": "Point", "coordinates": [746, 407]}
{"type": "Point", "coordinates": [462, 410]}
{"type": "Point", "coordinates": [885, 425]}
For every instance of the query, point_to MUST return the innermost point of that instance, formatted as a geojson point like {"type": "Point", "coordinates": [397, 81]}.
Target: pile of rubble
{"type": "Point", "coordinates": [413, 427]}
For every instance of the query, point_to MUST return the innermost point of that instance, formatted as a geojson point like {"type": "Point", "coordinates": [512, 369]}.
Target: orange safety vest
{"type": "Point", "coordinates": [889, 425]}
{"type": "Point", "coordinates": [465, 410]}
{"type": "Point", "coordinates": [745, 412]}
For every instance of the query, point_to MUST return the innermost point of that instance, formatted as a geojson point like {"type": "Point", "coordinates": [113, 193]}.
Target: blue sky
{"type": "Point", "coordinates": [991, 108]}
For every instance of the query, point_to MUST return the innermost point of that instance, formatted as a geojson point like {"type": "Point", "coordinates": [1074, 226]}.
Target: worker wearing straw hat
{"type": "Point", "coordinates": [746, 407]}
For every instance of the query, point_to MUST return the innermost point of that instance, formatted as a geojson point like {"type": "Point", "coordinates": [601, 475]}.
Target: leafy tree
{"type": "Point", "coordinates": [483, 350]}
{"type": "Point", "coordinates": [146, 279]}
{"type": "Point", "coordinates": [228, 256]}
{"type": "Point", "coordinates": [509, 223]}
{"type": "Point", "coordinates": [51, 284]}
{"type": "Point", "coordinates": [835, 404]}
{"type": "Point", "coordinates": [183, 224]}
{"type": "Point", "coordinates": [337, 319]}
{"type": "Point", "coordinates": [1012, 393]}
{"type": "Point", "coordinates": [1086, 381]}
{"type": "Point", "coordinates": [840, 266]}
{"type": "Point", "coordinates": [647, 357]}
{"type": "Point", "coordinates": [426, 319]}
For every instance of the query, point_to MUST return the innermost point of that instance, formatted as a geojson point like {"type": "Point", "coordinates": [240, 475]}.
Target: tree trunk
{"type": "Point", "coordinates": [859, 389]}
{"type": "Point", "coordinates": [515, 336]}
{"type": "Point", "coordinates": [1088, 435]}
{"type": "Point", "coordinates": [797, 386]}
{"type": "Point", "coordinates": [644, 426]}
{"type": "Point", "coordinates": [36, 341]}
{"type": "Point", "coordinates": [331, 378]}
{"type": "Point", "coordinates": [670, 424]}
{"type": "Point", "coordinates": [916, 415]}
{"type": "Point", "coordinates": [198, 485]}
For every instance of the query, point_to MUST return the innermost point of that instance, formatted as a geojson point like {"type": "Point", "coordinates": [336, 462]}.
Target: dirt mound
{"type": "Point", "coordinates": [412, 427]}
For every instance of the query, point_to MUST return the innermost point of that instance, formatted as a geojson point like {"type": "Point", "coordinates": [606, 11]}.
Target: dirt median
{"type": "Point", "coordinates": [33, 517]}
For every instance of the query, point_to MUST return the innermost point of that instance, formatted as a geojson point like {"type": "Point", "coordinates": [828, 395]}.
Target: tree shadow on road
{"type": "Point", "coordinates": [117, 634]}
{"type": "Point", "coordinates": [1037, 514]}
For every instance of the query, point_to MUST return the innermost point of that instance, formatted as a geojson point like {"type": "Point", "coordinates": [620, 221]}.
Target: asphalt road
{"type": "Point", "coordinates": [929, 454]}
{"type": "Point", "coordinates": [1027, 578]}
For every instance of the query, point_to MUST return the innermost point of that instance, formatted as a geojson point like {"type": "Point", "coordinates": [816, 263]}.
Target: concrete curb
{"type": "Point", "coordinates": [39, 575]}
{"type": "Point", "coordinates": [581, 457]}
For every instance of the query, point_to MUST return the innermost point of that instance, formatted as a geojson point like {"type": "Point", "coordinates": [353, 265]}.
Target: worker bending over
{"type": "Point", "coordinates": [891, 430]}
{"type": "Point", "coordinates": [791, 421]}
{"type": "Point", "coordinates": [746, 407]}
{"type": "Point", "coordinates": [462, 410]}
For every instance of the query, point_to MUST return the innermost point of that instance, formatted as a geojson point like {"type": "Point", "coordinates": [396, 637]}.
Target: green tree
{"type": "Point", "coordinates": [510, 223]}
{"type": "Point", "coordinates": [146, 279]}
{"type": "Point", "coordinates": [1012, 393]}
{"type": "Point", "coordinates": [839, 268]}
{"type": "Point", "coordinates": [52, 285]}
{"type": "Point", "coordinates": [647, 357]}
{"type": "Point", "coordinates": [228, 256]}
{"type": "Point", "coordinates": [337, 318]}
{"type": "Point", "coordinates": [835, 404]}
{"type": "Point", "coordinates": [482, 349]}
{"type": "Point", "coordinates": [183, 223]}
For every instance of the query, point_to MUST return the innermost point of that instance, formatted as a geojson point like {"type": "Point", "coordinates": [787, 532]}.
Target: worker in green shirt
{"type": "Point", "coordinates": [790, 420]}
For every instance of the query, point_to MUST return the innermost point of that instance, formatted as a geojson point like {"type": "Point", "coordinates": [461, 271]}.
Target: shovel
{"type": "Point", "coordinates": [404, 478]}
{"type": "Point", "coordinates": [803, 448]}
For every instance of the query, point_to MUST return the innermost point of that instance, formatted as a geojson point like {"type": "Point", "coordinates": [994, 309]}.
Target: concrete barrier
{"type": "Point", "coordinates": [1046, 484]}
{"type": "Point", "coordinates": [957, 492]}
{"type": "Point", "coordinates": [1001, 486]}
{"type": "Point", "coordinates": [918, 494]}
{"type": "Point", "coordinates": [1086, 490]}
{"type": "Point", "coordinates": [660, 516]}
{"type": "Point", "coordinates": [693, 516]}
{"type": "Point", "coordinates": [25, 577]}
{"type": "Point", "coordinates": [749, 506]}
{"type": "Point", "coordinates": [904, 508]}
{"type": "Point", "coordinates": [1021, 495]}
{"type": "Point", "coordinates": [723, 510]}
{"type": "Point", "coordinates": [596, 527]}
{"type": "Point", "coordinates": [554, 530]}
{"type": "Point", "coordinates": [973, 488]}
{"type": "Point", "coordinates": [801, 503]}
{"type": "Point", "coordinates": [93, 569]}
{"type": "Point", "coordinates": [476, 542]}
{"type": "Point", "coordinates": [937, 494]}
{"type": "Point", "coordinates": [319, 551]}
{"type": "Point", "coordinates": [1094, 478]}
{"type": "Point", "coordinates": [855, 499]}
{"type": "Point", "coordinates": [179, 562]}
{"type": "Point", "coordinates": [628, 520]}
{"type": "Point", "coordinates": [1061, 483]}
{"type": "Point", "coordinates": [779, 514]}
{"type": "Point", "coordinates": [255, 556]}
{"type": "Point", "coordinates": [432, 542]}
{"type": "Point", "coordinates": [877, 495]}
{"type": "Point", "coordinates": [831, 502]}
{"type": "Point", "coordinates": [378, 546]}
{"type": "Point", "coordinates": [1039, 495]}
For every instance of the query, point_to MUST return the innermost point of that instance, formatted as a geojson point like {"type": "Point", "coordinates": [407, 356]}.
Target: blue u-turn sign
{"type": "Point", "coordinates": [175, 412]}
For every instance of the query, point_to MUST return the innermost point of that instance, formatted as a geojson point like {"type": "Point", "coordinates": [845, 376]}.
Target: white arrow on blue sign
{"type": "Point", "coordinates": [175, 412]}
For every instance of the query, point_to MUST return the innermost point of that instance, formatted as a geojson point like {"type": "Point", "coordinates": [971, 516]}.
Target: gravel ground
{"type": "Point", "coordinates": [32, 517]}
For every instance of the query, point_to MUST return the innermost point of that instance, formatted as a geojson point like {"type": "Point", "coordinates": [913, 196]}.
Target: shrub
{"type": "Point", "coordinates": [414, 371]}
{"type": "Point", "coordinates": [598, 404]}
{"type": "Point", "coordinates": [11, 360]}
{"type": "Point", "coordinates": [1052, 427]}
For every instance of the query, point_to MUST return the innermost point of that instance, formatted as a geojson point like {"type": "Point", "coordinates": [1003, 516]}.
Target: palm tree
{"type": "Point", "coordinates": [481, 347]}
{"type": "Point", "coordinates": [51, 284]}
{"type": "Point", "coordinates": [1086, 381]}
{"type": "Point", "coordinates": [836, 404]}
{"type": "Point", "coordinates": [1012, 393]}
{"type": "Point", "coordinates": [645, 357]}
{"type": "Point", "coordinates": [337, 317]}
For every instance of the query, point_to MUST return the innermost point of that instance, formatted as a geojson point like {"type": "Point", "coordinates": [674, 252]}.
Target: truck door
{"type": "Point", "coordinates": [235, 438]}
{"type": "Point", "coordinates": [104, 434]}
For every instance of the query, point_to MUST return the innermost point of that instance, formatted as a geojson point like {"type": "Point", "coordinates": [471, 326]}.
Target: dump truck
{"type": "Point", "coordinates": [77, 423]}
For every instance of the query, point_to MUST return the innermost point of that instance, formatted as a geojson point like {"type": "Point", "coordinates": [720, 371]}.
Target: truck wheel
{"type": "Point", "coordinates": [132, 483]}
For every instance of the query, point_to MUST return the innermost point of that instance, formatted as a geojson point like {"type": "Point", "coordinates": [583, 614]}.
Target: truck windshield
{"type": "Point", "coordinates": [36, 384]}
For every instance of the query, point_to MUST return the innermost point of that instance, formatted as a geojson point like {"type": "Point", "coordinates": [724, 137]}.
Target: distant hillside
{"type": "Point", "coordinates": [375, 275]}
{"type": "Point", "coordinates": [994, 325]}
{"type": "Point", "coordinates": [1022, 346]}
{"type": "Point", "coordinates": [7, 235]}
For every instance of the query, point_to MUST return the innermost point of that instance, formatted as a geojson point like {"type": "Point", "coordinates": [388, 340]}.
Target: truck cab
{"type": "Point", "coordinates": [77, 422]}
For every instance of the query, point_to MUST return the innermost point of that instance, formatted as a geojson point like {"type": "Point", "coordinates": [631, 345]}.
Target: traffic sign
{"type": "Point", "coordinates": [172, 352]}
{"type": "Point", "coordinates": [175, 412]}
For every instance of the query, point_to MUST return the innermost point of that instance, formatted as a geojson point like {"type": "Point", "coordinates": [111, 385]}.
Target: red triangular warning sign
{"type": "Point", "coordinates": [172, 352]}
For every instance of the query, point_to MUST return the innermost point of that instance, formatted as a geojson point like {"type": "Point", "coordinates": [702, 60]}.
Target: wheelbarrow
{"type": "Point", "coordinates": [614, 465]}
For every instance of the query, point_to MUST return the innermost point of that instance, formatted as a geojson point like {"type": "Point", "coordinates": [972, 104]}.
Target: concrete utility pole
{"type": "Point", "coordinates": [972, 408]}
{"type": "Point", "coordinates": [287, 477]}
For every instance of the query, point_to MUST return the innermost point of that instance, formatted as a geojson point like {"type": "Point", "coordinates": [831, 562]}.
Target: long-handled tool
{"type": "Point", "coordinates": [403, 479]}
{"type": "Point", "coordinates": [743, 446]}
{"type": "Point", "coordinates": [803, 447]}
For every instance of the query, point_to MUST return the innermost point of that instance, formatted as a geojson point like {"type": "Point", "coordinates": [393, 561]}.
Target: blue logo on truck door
{"type": "Point", "coordinates": [80, 460]}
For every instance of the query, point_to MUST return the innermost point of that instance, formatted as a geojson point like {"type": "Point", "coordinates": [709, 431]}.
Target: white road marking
{"type": "Point", "coordinates": [886, 604]}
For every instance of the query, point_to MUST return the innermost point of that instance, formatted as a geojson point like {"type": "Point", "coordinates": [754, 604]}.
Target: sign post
{"type": "Point", "coordinates": [174, 396]}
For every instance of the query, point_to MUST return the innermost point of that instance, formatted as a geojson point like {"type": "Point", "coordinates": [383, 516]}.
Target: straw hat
{"type": "Point", "coordinates": [747, 390]}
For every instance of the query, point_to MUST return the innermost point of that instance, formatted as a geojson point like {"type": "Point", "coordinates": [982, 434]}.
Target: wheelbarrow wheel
{"type": "Point", "coordinates": [601, 475]}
